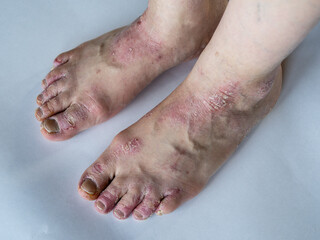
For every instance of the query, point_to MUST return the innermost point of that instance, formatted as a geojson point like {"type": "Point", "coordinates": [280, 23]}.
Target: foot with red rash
{"type": "Point", "coordinates": [168, 156]}
{"type": "Point", "coordinates": [94, 81]}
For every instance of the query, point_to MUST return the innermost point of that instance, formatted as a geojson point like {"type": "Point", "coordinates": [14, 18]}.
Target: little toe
{"type": "Point", "coordinates": [66, 124]}
{"type": "Point", "coordinates": [147, 207]}
{"type": "Point", "coordinates": [62, 58]}
{"type": "Point", "coordinates": [53, 106]}
{"type": "Point", "coordinates": [97, 177]}
{"type": "Point", "coordinates": [170, 203]}
{"type": "Point", "coordinates": [127, 204]}
{"type": "Point", "coordinates": [110, 196]}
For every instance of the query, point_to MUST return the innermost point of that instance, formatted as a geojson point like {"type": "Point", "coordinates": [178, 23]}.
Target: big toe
{"type": "Point", "coordinates": [97, 177]}
{"type": "Point", "coordinates": [68, 123]}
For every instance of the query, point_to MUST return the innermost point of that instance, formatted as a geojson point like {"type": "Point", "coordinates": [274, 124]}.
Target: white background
{"type": "Point", "coordinates": [269, 189]}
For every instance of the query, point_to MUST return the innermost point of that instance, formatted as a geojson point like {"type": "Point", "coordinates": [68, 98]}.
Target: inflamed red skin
{"type": "Point", "coordinates": [91, 83]}
{"type": "Point", "coordinates": [168, 156]}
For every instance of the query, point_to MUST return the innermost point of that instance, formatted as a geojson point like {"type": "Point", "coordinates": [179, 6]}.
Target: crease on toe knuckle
{"type": "Point", "coordinates": [75, 113]}
{"type": "Point", "coordinates": [46, 94]}
{"type": "Point", "coordinates": [51, 91]}
{"type": "Point", "coordinates": [54, 86]}
{"type": "Point", "coordinates": [97, 168]}
{"type": "Point", "coordinates": [49, 107]}
{"type": "Point", "coordinates": [51, 75]}
{"type": "Point", "coordinates": [145, 210]}
{"type": "Point", "coordinates": [130, 201]}
{"type": "Point", "coordinates": [152, 204]}
{"type": "Point", "coordinates": [56, 74]}
{"type": "Point", "coordinates": [124, 207]}
{"type": "Point", "coordinates": [108, 199]}
{"type": "Point", "coordinates": [52, 105]}
{"type": "Point", "coordinates": [112, 195]}
{"type": "Point", "coordinates": [101, 170]}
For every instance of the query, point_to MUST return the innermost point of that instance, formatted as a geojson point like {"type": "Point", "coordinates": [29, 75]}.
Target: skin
{"type": "Point", "coordinates": [194, 131]}
{"type": "Point", "coordinates": [96, 80]}
{"type": "Point", "coordinates": [168, 156]}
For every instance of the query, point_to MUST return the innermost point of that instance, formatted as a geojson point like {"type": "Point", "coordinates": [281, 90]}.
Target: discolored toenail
{"type": "Point", "coordinates": [159, 213]}
{"type": "Point", "coordinates": [40, 98]}
{"type": "Point", "coordinates": [50, 125]}
{"type": "Point", "coordinates": [89, 187]}
{"type": "Point", "coordinates": [119, 213]}
{"type": "Point", "coordinates": [39, 113]}
{"type": "Point", "coordinates": [100, 205]}
{"type": "Point", "coordinates": [138, 215]}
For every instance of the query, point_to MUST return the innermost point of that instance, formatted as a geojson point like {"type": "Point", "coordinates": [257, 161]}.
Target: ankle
{"type": "Point", "coordinates": [239, 92]}
{"type": "Point", "coordinates": [183, 22]}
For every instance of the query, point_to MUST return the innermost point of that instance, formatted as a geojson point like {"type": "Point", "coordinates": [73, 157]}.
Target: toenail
{"type": "Point", "coordinates": [119, 213]}
{"type": "Point", "coordinates": [100, 205]}
{"type": "Point", "coordinates": [138, 215]}
{"type": "Point", "coordinates": [89, 187]}
{"type": "Point", "coordinates": [159, 212]}
{"type": "Point", "coordinates": [40, 98]}
{"type": "Point", "coordinates": [50, 125]}
{"type": "Point", "coordinates": [39, 112]}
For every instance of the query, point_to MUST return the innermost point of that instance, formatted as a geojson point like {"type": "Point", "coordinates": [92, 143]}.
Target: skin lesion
{"type": "Point", "coordinates": [97, 168]}
{"type": "Point", "coordinates": [135, 42]}
{"type": "Point", "coordinates": [266, 85]}
{"type": "Point", "coordinates": [219, 99]}
{"type": "Point", "coordinates": [132, 146]}
{"type": "Point", "coordinates": [195, 113]}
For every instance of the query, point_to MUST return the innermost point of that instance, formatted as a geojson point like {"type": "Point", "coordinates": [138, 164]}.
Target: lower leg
{"type": "Point", "coordinates": [254, 37]}
{"type": "Point", "coordinates": [168, 156]}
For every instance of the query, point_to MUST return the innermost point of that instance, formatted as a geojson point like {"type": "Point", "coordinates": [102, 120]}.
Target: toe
{"type": "Point", "coordinates": [170, 203]}
{"type": "Point", "coordinates": [53, 90]}
{"type": "Point", "coordinates": [66, 124]}
{"type": "Point", "coordinates": [110, 196]}
{"type": "Point", "coordinates": [53, 106]}
{"type": "Point", "coordinates": [127, 204]}
{"type": "Point", "coordinates": [62, 58]}
{"type": "Point", "coordinates": [55, 74]}
{"type": "Point", "coordinates": [147, 207]}
{"type": "Point", "coordinates": [97, 177]}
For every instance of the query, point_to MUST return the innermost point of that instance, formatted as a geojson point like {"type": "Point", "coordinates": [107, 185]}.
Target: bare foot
{"type": "Point", "coordinates": [168, 156]}
{"type": "Point", "coordinates": [94, 81]}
